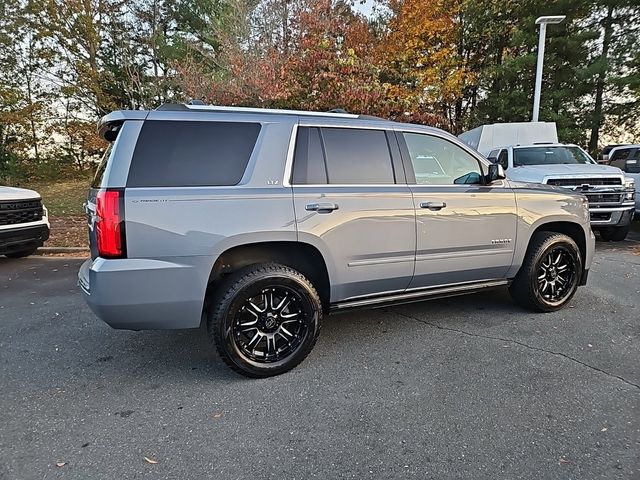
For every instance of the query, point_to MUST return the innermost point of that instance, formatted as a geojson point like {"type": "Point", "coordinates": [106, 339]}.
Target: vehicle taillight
{"type": "Point", "coordinates": [110, 235]}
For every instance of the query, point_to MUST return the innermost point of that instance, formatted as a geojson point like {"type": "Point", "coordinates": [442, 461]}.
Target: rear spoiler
{"type": "Point", "coordinates": [109, 124]}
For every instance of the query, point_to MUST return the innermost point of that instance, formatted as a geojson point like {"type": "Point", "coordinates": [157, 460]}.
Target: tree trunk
{"type": "Point", "coordinates": [600, 83]}
{"type": "Point", "coordinates": [28, 71]}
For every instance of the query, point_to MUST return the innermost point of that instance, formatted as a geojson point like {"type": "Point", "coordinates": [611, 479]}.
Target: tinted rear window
{"type": "Point", "coordinates": [357, 156]}
{"type": "Point", "coordinates": [342, 156]}
{"type": "Point", "coordinates": [621, 154]}
{"type": "Point", "coordinates": [191, 154]}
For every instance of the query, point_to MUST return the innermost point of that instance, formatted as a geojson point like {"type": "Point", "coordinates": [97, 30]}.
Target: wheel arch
{"type": "Point", "coordinates": [571, 229]}
{"type": "Point", "coordinates": [304, 257]}
{"type": "Point", "coordinates": [574, 229]}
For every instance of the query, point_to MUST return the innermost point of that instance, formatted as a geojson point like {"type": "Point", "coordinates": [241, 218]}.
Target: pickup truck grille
{"type": "Point", "coordinates": [23, 211]}
{"type": "Point", "coordinates": [576, 182]}
{"type": "Point", "coordinates": [604, 197]}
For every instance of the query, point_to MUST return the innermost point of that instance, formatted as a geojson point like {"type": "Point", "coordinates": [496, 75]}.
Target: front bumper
{"type": "Point", "coordinates": [611, 216]}
{"type": "Point", "coordinates": [20, 238]}
{"type": "Point", "coordinates": [141, 294]}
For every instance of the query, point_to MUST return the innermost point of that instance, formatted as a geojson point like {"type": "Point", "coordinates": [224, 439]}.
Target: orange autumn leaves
{"type": "Point", "coordinates": [332, 58]}
{"type": "Point", "coordinates": [421, 55]}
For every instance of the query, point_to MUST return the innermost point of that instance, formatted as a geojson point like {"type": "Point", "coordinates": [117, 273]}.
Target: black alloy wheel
{"type": "Point", "coordinates": [556, 274]}
{"type": "Point", "coordinates": [550, 273]}
{"type": "Point", "coordinates": [265, 319]}
{"type": "Point", "coordinates": [271, 325]}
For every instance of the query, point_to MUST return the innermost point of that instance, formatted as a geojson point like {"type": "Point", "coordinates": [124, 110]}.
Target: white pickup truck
{"type": "Point", "coordinates": [24, 222]}
{"type": "Point", "coordinates": [530, 152]}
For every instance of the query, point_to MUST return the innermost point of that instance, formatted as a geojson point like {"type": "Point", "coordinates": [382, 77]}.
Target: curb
{"type": "Point", "coordinates": [45, 250]}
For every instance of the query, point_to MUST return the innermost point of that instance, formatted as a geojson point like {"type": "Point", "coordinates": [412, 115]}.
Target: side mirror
{"type": "Point", "coordinates": [496, 172]}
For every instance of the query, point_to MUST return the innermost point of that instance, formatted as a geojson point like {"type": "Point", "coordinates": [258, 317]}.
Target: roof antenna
{"type": "Point", "coordinates": [195, 101]}
{"type": "Point", "coordinates": [338, 110]}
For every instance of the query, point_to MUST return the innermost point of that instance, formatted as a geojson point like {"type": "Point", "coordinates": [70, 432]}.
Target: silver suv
{"type": "Point", "coordinates": [259, 222]}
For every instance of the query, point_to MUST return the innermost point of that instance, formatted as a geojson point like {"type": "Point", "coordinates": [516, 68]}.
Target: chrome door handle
{"type": "Point", "coordinates": [322, 207]}
{"type": "Point", "coordinates": [433, 205]}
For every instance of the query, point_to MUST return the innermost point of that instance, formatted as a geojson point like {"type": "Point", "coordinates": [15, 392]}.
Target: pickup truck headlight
{"type": "Point", "coordinates": [630, 188]}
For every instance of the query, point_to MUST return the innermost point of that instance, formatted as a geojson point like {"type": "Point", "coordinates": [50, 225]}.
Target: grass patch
{"type": "Point", "coordinates": [63, 198]}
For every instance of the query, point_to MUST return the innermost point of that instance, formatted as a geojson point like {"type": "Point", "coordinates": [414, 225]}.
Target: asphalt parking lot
{"type": "Point", "coordinates": [469, 387]}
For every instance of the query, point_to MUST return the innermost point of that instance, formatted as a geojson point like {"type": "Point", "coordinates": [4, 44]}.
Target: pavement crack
{"type": "Point", "coordinates": [522, 344]}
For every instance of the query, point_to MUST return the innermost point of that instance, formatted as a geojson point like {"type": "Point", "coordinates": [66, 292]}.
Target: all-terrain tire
{"type": "Point", "coordinates": [232, 327]}
{"type": "Point", "coordinates": [21, 253]}
{"type": "Point", "coordinates": [614, 234]}
{"type": "Point", "coordinates": [531, 289]}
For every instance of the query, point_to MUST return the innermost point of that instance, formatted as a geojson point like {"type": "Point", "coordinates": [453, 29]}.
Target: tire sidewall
{"type": "Point", "coordinates": [614, 234]}
{"type": "Point", "coordinates": [21, 253]}
{"type": "Point", "coordinates": [230, 307]}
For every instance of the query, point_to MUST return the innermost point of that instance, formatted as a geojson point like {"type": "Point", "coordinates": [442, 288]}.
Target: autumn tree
{"type": "Point", "coordinates": [422, 66]}
{"type": "Point", "coordinates": [316, 54]}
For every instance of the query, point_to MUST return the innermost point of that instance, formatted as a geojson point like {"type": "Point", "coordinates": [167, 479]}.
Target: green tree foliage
{"type": "Point", "coordinates": [65, 63]}
{"type": "Point", "coordinates": [507, 77]}
{"type": "Point", "coordinates": [450, 63]}
{"type": "Point", "coordinates": [24, 96]}
{"type": "Point", "coordinates": [615, 67]}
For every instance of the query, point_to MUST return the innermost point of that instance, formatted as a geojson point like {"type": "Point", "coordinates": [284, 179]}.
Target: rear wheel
{"type": "Point", "coordinates": [550, 274]}
{"type": "Point", "coordinates": [615, 234]}
{"type": "Point", "coordinates": [21, 253]}
{"type": "Point", "coordinates": [265, 320]}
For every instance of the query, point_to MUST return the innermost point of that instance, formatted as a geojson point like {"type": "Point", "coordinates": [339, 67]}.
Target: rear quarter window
{"type": "Point", "coordinates": [191, 154]}
{"type": "Point", "coordinates": [102, 166]}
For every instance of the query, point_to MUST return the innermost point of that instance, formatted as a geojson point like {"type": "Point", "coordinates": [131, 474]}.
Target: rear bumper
{"type": "Point", "coordinates": [23, 238]}
{"type": "Point", "coordinates": [141, 294]}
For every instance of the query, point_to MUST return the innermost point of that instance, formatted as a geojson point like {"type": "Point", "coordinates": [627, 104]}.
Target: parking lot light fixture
{"type": "Point", "coordinates": [542, 21]}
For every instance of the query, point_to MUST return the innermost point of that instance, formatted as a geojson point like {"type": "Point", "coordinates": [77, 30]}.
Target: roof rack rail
{"type": "Point", "coordinates": [171, 107]}
{"type": "Point", "coordinates": [198, 105]}
{"type": "Point", "coordinates": [373, 117]}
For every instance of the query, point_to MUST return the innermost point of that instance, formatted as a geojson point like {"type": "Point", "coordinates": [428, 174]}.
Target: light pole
{"type": "Point", "coordinates": [542, 21]}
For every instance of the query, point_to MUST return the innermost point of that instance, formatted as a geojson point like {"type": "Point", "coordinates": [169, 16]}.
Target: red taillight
{"type": "Point", "coordinates": [110, 223]}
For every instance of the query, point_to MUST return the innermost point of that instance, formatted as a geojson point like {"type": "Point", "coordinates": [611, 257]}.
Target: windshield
{"type": "Point", "coordinates": [556, 155]}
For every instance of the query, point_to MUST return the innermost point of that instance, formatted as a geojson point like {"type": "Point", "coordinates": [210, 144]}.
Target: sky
{"type": "Point", "coordinates": [366, 7]}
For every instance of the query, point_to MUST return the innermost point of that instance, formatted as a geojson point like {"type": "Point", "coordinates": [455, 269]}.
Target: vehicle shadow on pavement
{"type": "Point", "coordinates": [189, 355]}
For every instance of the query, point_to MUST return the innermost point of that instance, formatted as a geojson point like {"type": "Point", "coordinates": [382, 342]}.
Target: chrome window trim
{"type": "Point", "coordinates": [288, 169]}
{"type": "Point", "coordinates": [288, 165]}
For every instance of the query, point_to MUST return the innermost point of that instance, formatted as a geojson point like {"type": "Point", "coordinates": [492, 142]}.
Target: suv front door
{"type": "Point", "coordinates": [466, 230]}
{"type": "Point", "coordinates": [352, 202]}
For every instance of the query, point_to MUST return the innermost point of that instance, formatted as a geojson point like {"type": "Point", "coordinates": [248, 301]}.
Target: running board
{"type": "Point", "coordinates": [416, 296]}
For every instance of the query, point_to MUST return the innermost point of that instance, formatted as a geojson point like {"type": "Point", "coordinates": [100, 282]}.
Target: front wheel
{"type": "Point", "coordinates": [265, 320]}
{"type": "Point", "coordinates": [550, 274]}
{"type": "Point", "coordinates": [615, 234]}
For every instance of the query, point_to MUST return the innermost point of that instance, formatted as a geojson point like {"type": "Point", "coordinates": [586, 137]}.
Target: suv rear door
{"type": "Point", "coordinates": [352, 202]}
{"type": "Point", "coordinates": [466, 230]}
